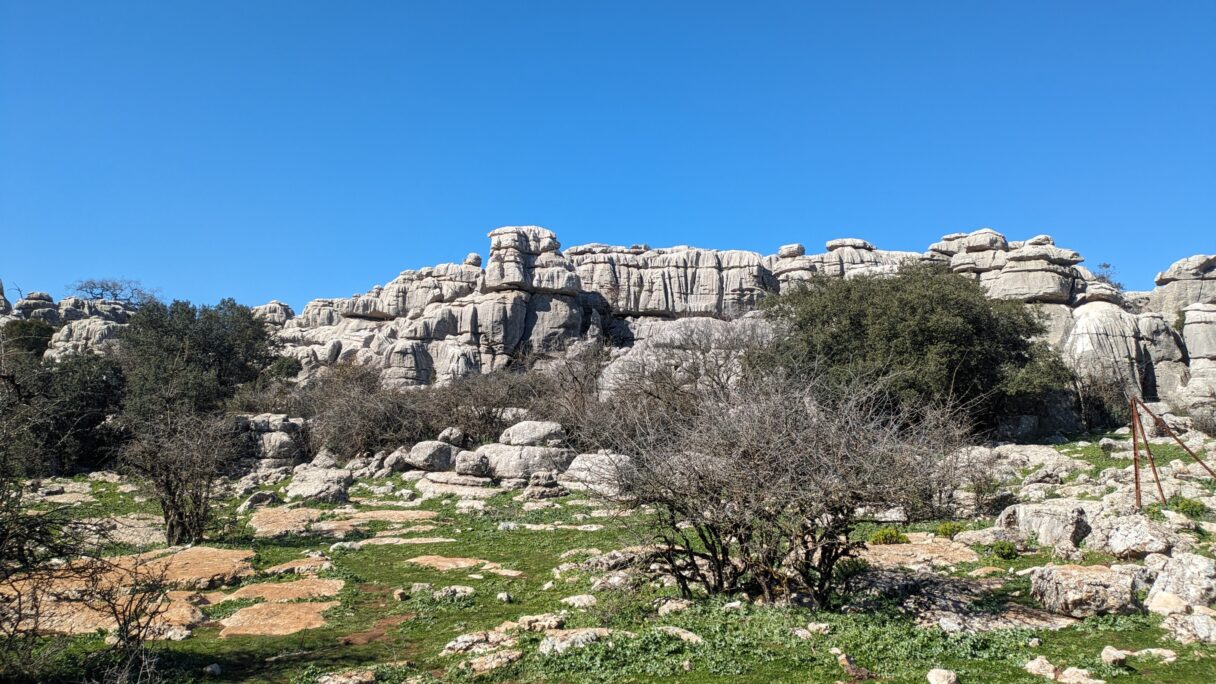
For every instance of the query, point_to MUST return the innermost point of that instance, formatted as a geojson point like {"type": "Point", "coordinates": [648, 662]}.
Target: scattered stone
{"type": "Point", "coordinates": [558, 641]}
{"type": "Point", "coordinates": [1114, 657]}
{"type": "Point", "coordinates": [492, 661]}
{"type": "Point", "coordinates": [212, 670]}
{"type": "Point", "coordinates": [681, 634]}
{"type": "Point", "coordinates": [544, 622]}
{"type": "Point", "coordinates": [580, 601]}
{"type": "Point", "coordinates": [670, 606]}
{"type": "Point", "coordinates": [454, 592]}
{"type": "Point", "coordinates": [478, 642]}
{"type": "Point", "coordinates": [503, 597]}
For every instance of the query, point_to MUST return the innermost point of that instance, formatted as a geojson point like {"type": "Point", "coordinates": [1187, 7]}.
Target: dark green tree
{"type": "Point", "coordinates": [937, 334]}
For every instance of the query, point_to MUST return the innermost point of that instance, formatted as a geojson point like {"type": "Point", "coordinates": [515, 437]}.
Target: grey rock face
{"type": "Point", "coordinates": [436, 324]}
{"type": "Point", "coordinates": [1188, 576]}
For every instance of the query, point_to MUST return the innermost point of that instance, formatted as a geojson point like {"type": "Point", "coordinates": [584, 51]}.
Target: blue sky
{"type": "Point", "coordinates": [295, 150]}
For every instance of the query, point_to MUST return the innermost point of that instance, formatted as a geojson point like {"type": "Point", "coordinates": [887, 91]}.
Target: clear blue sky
{"type": "Point", "coordinates": [295, 150]}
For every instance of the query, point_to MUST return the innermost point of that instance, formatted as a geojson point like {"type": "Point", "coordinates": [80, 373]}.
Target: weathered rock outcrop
{"type": "Point", "coordinates": [435, 324]}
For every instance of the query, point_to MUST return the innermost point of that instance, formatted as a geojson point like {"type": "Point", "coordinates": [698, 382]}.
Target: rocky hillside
{"type": "Point", "coordinates": [442, 322]}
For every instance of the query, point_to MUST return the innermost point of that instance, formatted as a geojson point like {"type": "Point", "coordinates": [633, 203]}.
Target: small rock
{"type": "Point", "coordinates": [682, 634]}
{"type": "Point", "coordinates": [1113, 656]}
{"type": "Point", "coordinates": [456, 591]}
{"type": "Point", "coordinates": [580, 601]}
{"type": "Point", "coordinates": [1041, 667]}
{"type": "Point", "coordinates": [940, 676]}
{"type": "Point", "coordinates": [503, 597]}
{"type": "Point", "coordinates": [673, 606]}
{"type": "Point", "coordinates": [212, 670]}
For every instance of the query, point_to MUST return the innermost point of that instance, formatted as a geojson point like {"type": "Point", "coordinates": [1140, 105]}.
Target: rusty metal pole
{"type": "Point", "coordinates": [1152, 462]}
{"type": "Point", "coordinates": [1135, 451]}
{"type": "Point", "coordinates": [1161, 423]}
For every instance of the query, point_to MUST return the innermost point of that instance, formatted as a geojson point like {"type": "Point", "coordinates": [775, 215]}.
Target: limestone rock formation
{"type": "Point", "coordinates": [436, 324]}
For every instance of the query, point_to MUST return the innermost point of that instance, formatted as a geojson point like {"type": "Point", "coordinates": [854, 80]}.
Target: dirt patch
{"type": "Point", "coordinates": [278, 592]}
{"type": "Point", "coordinates": [275, 619]}
{"type": "Point", "coordinates": [376, 632]}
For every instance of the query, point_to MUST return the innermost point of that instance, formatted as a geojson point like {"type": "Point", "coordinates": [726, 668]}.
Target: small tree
{"type": "Point", "coordinates": [181, 461]}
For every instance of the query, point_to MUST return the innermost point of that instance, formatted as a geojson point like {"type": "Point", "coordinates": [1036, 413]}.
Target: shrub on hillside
{"type": "Point", "coordinates": [938, 335]}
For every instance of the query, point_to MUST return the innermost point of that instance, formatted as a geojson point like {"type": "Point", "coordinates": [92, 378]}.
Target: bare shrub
{"type": "Point", "coordinates": [352, 412]}
{"type": "Point", "coordinates": [130, 596]}
{"type": "Point", "coordinates": [1102, 399]}
{"type": "Point", "coordinates": [1204, 420]}
{"type": "Point", "coordinates": [757, 485]}
{"type": "Point", "coordinates": [31, 580]}
{"type": "Point", "coordinates": [180, 459]}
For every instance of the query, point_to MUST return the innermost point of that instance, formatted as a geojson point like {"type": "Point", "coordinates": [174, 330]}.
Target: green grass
{"type": "Point", "coordinates": [755, 644]}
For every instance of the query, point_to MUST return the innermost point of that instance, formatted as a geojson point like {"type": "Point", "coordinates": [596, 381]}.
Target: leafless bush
{"type": "Point", "coordinates": [1204, 420]}
{"type": "Point", "coordinates": [129, 595]}
{"type": "Point", "coordinates": [180, 459]}
{"type": "Point", "coordinates": [34, 578]}
{"type": "Point", "coordinates": [1102, 399]}
{"type": "Point", "coordinates": [757, 484]}
{"type": "Point", "coordinates": [351, 412]}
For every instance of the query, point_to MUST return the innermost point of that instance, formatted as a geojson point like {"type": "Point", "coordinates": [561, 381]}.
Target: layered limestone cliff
{"type": "Point", "coordinates": [436, 324]}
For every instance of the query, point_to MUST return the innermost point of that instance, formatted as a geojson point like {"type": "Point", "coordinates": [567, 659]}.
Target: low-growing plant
{"type": "Point", "coordinates": [888, 535]}
{"type": "Point", "coordinates": [1191, 508]}
{"type": "Point", "coordinates": [948, 529]}
{"type": "Point", "coordinates": [1004, 550]}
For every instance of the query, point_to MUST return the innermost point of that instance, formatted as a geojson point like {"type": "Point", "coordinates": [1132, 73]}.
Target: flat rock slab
{"type": "Point", "coordinates": [429, 489]}
{"type": "Point", "coordinates": [279, 592]}
{"type": "Point", "coordinates": [275, 619]}
{"type": "Point", "coordinates": [921, 552]}
{"type": "Point", "coordinates": [304, 566]}
{"type": "Point", "coordinates": [175, 621]}
{"type": "Point", "coordinates": [280, 522]}
{"type": "Point", "coordinates": [389, 541]}
{"type": "Point", "coordinates": [345, 522]}
{"type": "Point", "coordinates": [444, 563]}
{"type": "Point", "coordinates": [196, 567]}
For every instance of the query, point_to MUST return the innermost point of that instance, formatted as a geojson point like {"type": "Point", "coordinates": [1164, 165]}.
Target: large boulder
{"type": "Point", "coordinates": [431, 455]}
{"type": "Point", "coordinates": [508, 462]}
{"type": "Point", "coordinates": [1083, 591]}
{"type": "Point", "coordinates": [1060, 524]}
{"type": "Point", "coordinates": [534, 433]}
{"type": "Point", "coordinates": [1189, 576]}
{"type": "Point", "coordinates": [319, 485]}
{"type": "Point", "coordinates": [1130, 536]}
